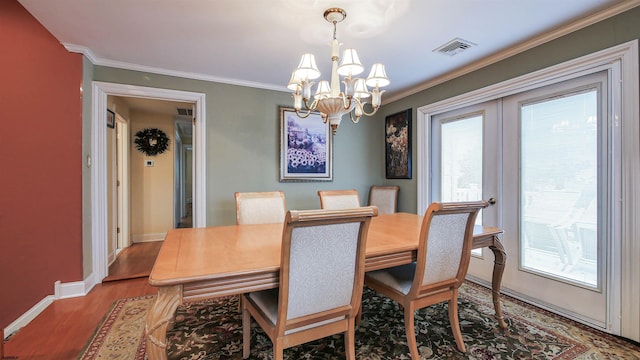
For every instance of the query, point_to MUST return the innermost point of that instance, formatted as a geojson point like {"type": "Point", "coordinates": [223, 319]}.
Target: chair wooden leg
{"type": "Point", "coordinates": [278, 350]}
{"type": "Point", "coordinates": [455, 324]}
{"type": "Point", "coordinates": [350, 341]}
{"type": "Point", "coordinates": [246, 332]}
{"type": "Point", "coordinates": [411, 333]}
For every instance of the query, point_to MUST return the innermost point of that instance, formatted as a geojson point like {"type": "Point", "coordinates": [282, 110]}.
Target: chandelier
{"type": "Point", "coordinates": [329, 100]}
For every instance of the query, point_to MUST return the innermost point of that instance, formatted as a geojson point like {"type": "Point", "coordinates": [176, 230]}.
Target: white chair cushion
{"type": "Point", "coordinates": [261, 211]}
{"type": "Point", "coordinates": [337, 202]}
{"type": "Point", "coordinates": [267, 301]}
{"type": "Point", "coordinates": [444, 247]}
{"type": "Point", "coordinates": [322, 268]}
{"type": "Point", "coordinates": [384, 199]}
{"type": "Point", "coordinates": [398, 278]}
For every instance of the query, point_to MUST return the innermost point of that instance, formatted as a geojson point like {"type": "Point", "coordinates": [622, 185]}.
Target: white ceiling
{"type": "Point", "coordinates": [259, 42]}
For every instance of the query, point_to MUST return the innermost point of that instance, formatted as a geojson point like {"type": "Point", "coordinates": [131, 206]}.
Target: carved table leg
{"type": "Point", "coordinates": [500, 257]}
{"type": "Point", "coordinates": [161, 313]}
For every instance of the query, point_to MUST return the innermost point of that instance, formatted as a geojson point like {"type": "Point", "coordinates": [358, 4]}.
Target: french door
{"type": "Point", "coordinates": [546, 156]}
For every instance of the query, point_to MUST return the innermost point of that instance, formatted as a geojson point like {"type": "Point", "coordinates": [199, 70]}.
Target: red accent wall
{"type": "Point", "coordinates": [40, 160]}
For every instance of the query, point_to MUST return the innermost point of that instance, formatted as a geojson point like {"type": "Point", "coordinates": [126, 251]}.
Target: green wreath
{"type": "Point", "coordinates": [152, 141]}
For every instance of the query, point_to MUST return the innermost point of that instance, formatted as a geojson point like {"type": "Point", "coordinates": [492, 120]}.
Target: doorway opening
{"type": "Point", "coordinates": [143, 203]}
{"type": "Point", "coordinates": [98, 163]}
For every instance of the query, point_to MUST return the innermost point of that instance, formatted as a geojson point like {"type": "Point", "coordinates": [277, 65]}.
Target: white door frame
{"type": "Point", "coordinates": [122, 190]}
{"type": "Point", "coordinates": [627, 271]}
{"type": "Point", "coordinates": [98, 161]}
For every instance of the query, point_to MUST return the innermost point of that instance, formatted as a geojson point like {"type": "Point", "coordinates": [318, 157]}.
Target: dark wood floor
{"type": "Point", "coordinates": [62, 329]}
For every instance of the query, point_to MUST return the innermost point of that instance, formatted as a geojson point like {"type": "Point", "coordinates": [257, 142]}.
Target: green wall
{"type": "Point", "coordinates": [243, 144]}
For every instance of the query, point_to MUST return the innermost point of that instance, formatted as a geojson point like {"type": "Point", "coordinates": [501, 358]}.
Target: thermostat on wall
{"type": "Point", "coordinates": [149, 163]}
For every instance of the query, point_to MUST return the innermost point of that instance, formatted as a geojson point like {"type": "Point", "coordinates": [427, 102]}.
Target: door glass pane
{"type": "Point", "coordinates": [462, 162]}
{"type": "Point", "coordinates": [558, 182]}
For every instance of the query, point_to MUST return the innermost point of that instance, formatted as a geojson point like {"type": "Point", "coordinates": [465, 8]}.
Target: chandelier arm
{"type": "Point", "coordinates": [356, 120]}
{"type": "Point", "coordinates": [375, 110]}
{"type": "Point", "coordinates": [313, 105]}
{"type": "Point", "coordinates": [305, 115]}
{"type": "Point", "coordinates": [346, 101]}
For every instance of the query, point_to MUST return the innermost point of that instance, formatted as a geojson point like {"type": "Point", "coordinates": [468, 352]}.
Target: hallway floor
{"type": "Point", "coordinates": [135, 261]}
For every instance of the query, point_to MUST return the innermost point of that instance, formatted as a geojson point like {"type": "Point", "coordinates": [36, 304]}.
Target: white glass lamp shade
{"type": "Point", "coordinates": [307, 69]}
{"type": "Point", "coordinates": [294, 83]}
{"type": "Point", "coordinates": [360, 89]}
{"type": "Point", "coordinates": [351, 64]}
{"type": "Point", "coordinates": [377, 76]}
{"type": "Point", "coordinates": [323, 91]}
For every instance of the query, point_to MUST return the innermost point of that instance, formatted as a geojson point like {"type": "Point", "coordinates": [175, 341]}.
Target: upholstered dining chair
{"type": "Point", "coordinates": [267, 207]}
{"type": "Point", "coordinates": [339, 199]}
{"type": "Point", "coordinates": [260, 207]}
{"type": "Point", "coordinates": [444, 252]}
{"type": "Point", "coordinates": [321, 280]}
{"type": "Point", "coordinates": [384, 197]}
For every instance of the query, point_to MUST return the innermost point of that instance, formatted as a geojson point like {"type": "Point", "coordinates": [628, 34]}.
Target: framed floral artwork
{"type": "Point", "coordinates": [305, 147]}
{"type": "Point", "coordinates": [397, 138]}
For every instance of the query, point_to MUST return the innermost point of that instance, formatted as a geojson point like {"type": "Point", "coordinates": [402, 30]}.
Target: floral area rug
{"type": "Point", "coordinates": [121, 333]}
{"type": "Point", "coordinates": [213, 330]}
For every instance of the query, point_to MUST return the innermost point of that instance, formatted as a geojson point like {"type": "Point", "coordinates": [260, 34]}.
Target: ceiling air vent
{"type": "Point", "coordinates": [454, 46]}
{"type": "Point", "coordinates": [185, 112]}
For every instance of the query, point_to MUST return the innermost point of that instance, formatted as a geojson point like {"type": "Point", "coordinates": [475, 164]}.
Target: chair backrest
{"type": "Point", "coordinates": [339, 199]}
{"type": "Point", "coordinates": [385, 198]}
{"type": "Point", "coordinates": [444, 251]}
{"type": "Point", "coordinates": [260, 207]}
{"type": "Point", "coordinates": [322, 265]}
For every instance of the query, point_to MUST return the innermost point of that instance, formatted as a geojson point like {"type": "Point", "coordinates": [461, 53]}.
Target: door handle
{"type": "Point", "coordinates": [492, 201]}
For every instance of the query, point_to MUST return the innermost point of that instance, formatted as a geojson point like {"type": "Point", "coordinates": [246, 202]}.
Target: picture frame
{"type": "Point", "coordinates": [111, 119]}
{"type": "Point", "coordinates": [397, 137]}
{"type": "Point", "coordinates": [306, 147]}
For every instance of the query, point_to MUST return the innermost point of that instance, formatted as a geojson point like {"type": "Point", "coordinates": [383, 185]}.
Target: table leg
{"type": "Point", "coordinates": [500, 257]}
{"type": "Point", "coordinates": [160, 315]}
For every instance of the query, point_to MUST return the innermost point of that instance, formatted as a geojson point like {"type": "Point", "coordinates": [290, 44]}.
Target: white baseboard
{"type": "Point", "coordinates": [112, 257]}
{"type": "Point", "coordinates": [138, 238]}
{"type": "Point", "coordinates": [28, 316]}
{"type": "Point", "coordinates": [60, 291]}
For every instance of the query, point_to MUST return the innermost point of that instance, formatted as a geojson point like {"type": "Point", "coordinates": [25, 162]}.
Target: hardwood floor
{"type": "Point", "coordinates": [135, 261]}
{"type": "Point", "coordinates": [63, 329]}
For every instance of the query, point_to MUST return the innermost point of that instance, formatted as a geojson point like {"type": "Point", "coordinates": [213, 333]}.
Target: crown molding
{"type": "Point", "coordinates": [519, 48]}
{"type": "Point", "coordinates": [154, 70]}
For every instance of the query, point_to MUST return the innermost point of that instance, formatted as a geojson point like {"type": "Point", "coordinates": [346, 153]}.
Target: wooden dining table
{"type": "Point", "coordinates": [202, 263]}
